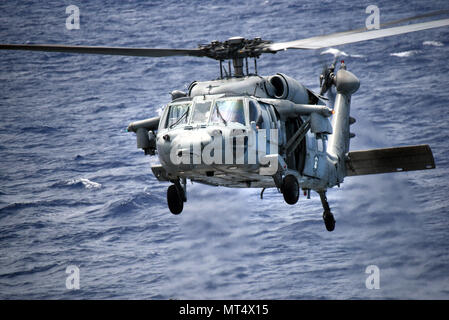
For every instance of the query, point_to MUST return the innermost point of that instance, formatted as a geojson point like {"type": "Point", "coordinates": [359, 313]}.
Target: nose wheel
{"type": "Point", "coordinates": [176, 196]}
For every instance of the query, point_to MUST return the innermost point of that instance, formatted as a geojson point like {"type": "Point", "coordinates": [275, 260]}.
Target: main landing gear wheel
{"type": "Point", "coordinates": [290, 189]}
{"type": "Point", "coordinates": [174, 200]}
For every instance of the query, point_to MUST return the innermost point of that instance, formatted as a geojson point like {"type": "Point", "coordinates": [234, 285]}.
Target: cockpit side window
{"type": "Point", "coordinates": [228, 111]}
{"type": "Point", "coordinates": [274, 117]}
{"type": "Point", "coordinates": [177, 115]}
{"type": "Point", "coordinates": [260, 114]}
{"type": "Point", "coordinates": [268, 114]}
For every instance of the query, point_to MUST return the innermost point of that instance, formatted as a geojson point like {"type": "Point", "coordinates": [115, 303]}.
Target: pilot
{"type": "Point", "coordinates": [255, 115]}
{"type": "Point", "coordinates": [239, 115]}
{"type": "Point", "coordinates": [259, 121]}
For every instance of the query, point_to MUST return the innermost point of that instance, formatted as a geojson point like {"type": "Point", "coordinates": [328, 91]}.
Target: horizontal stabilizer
{"type": "Point", "coordinates": [386, 160]}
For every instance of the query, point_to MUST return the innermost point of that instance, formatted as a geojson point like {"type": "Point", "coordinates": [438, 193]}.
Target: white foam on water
{"type": "Point", "coordinates": [433, 43]}
{"type": "Point", "coordinates": [88, 184]}
{"type": "Point", "coordinates": [335, 52]}
{"type": "Point", "coordinates": [339, 53]}
{"type": "Point", "coordinates": [404, 54]}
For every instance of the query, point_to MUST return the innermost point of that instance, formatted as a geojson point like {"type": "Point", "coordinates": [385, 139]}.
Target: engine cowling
{"type": "Point", "coordinates": [284, 87]}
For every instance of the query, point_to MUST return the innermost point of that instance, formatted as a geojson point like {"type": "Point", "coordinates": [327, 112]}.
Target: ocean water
{"type": "Point", "coordinates": [75, 190]}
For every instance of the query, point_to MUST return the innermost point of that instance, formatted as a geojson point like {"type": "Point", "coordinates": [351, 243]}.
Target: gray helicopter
{"type": "Point", "coordinates": [244, 130]}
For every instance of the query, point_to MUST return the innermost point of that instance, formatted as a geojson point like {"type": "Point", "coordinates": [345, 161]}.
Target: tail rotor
{"type": "Point", "coordinates": [327, 77]}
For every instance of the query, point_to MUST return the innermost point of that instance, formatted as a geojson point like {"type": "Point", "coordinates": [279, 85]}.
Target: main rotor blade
{"type": "Point", "coordinates": [135, 52]}
{"type": "Point", "coordinates": [425, 15]}
{"type": "Point", "coordinates": [354, 36]}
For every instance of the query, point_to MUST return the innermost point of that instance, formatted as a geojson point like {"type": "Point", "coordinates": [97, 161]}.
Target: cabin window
{"type": "Point", "coordinates": [321, 143]}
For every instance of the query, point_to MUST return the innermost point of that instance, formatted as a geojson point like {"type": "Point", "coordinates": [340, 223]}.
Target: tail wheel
{"type": "Point", "coordinates": [290, 189]}
{"type": "Point", "coordinates": [174, 200]}
{"type": "Point", "coordinates": [329, 221]}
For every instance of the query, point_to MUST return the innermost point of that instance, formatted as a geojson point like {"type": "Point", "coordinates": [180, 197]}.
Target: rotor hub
{"type": "Point", "coordinates": [235, 47]}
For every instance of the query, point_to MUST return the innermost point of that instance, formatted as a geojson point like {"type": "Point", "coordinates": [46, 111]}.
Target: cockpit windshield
{"type": "Point", "coordinates": [201, 112]}
{"type": "Point", "coordinates": [228, 111]}
{"type": "Point", "coordinates": [178, 114]}
{"type": "Point", "coordinates": [223, 111]}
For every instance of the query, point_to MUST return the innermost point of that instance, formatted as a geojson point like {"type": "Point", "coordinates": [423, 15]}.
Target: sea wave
{"type": "Point", "coordinates": [433, 43]}
{"type": "Point", "coordinates": [134, 203]}
{"type": "Point", "coordinates": [79, 183]}
{"type": "Point", "coordinates": [18, 206]}
{"type": "Point", "coordinates": [405, 54]}
{"type": "Point", "coordinates": [339, 53]}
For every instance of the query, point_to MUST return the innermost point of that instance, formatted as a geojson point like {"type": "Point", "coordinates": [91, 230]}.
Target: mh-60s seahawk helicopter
{"type": "Point", "coordinates": [303, 136]}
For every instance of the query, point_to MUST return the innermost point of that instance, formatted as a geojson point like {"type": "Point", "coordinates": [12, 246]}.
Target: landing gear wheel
{"type": "Point", "coordinates": [174, 200]}
{"type": "Point", "coordinates": [290, 189]}
{"type": "Point", "coordinates": [329, 221]}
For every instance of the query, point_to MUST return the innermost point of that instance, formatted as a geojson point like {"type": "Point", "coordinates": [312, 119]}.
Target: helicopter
{"type": "Point", "coordinates": [244, 130]}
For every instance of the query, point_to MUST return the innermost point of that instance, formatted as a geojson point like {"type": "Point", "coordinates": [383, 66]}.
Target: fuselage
{"type": "Point", "coordinates": [247, 120]}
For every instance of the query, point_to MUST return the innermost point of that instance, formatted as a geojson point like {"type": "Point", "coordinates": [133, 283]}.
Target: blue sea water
{"type": "Point", "coordinates": [75, 190]}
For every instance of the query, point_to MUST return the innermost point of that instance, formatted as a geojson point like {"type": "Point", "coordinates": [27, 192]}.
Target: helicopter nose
{"type": "Point", "coordinates": [189, 147]}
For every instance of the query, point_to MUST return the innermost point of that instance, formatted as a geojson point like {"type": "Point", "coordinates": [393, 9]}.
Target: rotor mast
{"type": "Point", "coordinates": [238, 66]}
